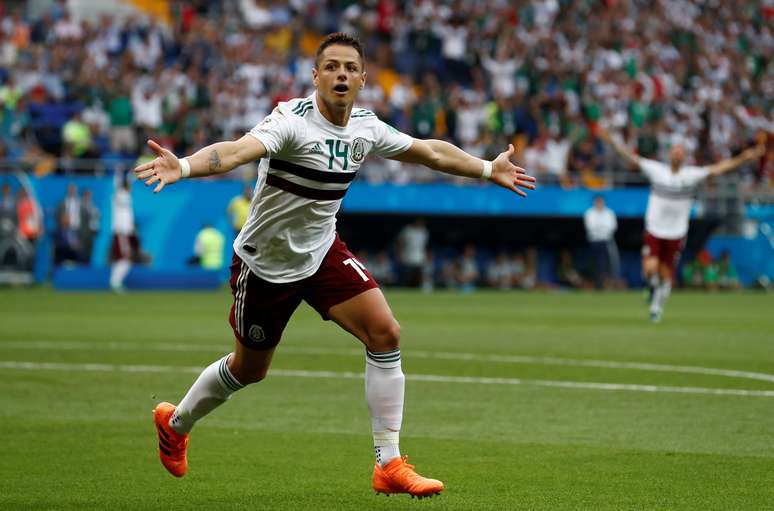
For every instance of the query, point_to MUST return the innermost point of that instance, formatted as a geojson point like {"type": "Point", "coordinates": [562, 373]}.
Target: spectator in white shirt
{"type": "Point", "coordinates": [499, 274]}
{"type": "Point", "coordinates": [601, 224]}
{"type": "Point", "coordinates": [412, 244]}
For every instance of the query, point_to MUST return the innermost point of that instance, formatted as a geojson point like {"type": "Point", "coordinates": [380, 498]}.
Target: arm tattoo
{"type": "Point", "coordinates": [214, 161]}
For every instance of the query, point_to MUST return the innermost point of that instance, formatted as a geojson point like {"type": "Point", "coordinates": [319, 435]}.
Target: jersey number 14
{"type": "Point", "coordinates": [337, 149]}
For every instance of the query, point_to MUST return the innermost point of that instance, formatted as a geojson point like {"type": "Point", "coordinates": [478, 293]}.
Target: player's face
{"type": "Point", "coordinates": [339, 75]}
{"type": "Point", "coordinates": [677, 155]}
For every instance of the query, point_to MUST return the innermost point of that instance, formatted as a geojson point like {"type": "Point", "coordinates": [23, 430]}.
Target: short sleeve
{"type": "Point", "coordinates": [389, 141]}
{"type": "Point", "coordinates": [275, 132]}
{"type": "Point", "coordinates": [650, 168]}
{"type": "Point", "coordinates": [695, 175]}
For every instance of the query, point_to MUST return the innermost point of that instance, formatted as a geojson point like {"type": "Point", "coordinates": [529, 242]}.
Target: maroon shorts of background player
{"type": "Point", "coordinates": [667, 251]}
{"type": "Point", "coordinates": [262, 309]}
{"type": "Point", "coordinates": [121, 247]}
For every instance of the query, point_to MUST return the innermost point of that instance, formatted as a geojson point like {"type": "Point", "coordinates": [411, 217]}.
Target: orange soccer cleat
{"type": "Point", "coordinates": [398, 476]}
{"type": "Point", "coordinates": [172, 445]}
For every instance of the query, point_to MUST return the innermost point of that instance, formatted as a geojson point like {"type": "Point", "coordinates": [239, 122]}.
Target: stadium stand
{"type": "Point", "coordinates": [84, 83]}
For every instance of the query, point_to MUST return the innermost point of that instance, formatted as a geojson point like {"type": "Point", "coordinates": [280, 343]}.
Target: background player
{"type": "Point", "coordinates": [669, 209]}
{"type": "Point", "coordinates": [288, 250]}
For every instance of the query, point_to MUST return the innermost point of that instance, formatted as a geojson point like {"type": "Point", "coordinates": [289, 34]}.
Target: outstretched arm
{"type": "Point", "coordinates": [619, 148]}
{"type": "Point", "coordinates": [216, 158]}
{"type": "Point", "coordinates": [448, 158]}
{"type": "Point", "coordinates": [724, 166]}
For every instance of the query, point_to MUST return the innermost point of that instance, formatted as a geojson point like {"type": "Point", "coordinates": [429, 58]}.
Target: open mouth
{"type": "Point", "coordinates": [343, 88]}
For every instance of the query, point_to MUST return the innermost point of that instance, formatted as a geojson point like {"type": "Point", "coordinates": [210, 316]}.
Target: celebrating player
{"type": "Point", "coordinates": [310, 150]}
{"type": "Point", "coordinates": [668, 212]}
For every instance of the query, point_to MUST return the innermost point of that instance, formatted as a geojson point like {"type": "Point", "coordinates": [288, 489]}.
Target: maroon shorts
{"type": "Point", "coordinates": [121, 247]}
{"type": "Point", "coordinates": [261, 309]}
{"type": "Point", "coordinates": [667, 251]}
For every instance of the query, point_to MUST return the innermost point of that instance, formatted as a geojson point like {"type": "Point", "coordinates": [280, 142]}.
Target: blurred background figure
{"type": "Point", "coordinates": [727, 275]}
{"type": "Point", "coordinates": [382, 269]}
{"type": "Point", "coordinates": [601, 224]}
{"type": "Point", "coordinates": [67, 246]}
{"type": "Point", "coordinates": [462, 273]}
{"type": "Point", "coordinates": [10, 246]}
{"type": "Point", "coordinates": [29, 218]}
{"type": "Point", "coordinates": [428, 272]}
{"type": "Point", "coordinates": [69, 210]}
{"type": "Point", "coordinates": [239, 208]}
{"type": "Point", "coordinates": [520, 278]}
{"type": "Point", "coordinates": [208, 248]}
{"type": "Point", "coordinates": [705, 272]}
{"type": "Point", "coordinates": [90, 218]}
{"type": "Point", "coordinates": [77, 138]}
{"type": "Point", "coordinates": [122, 251]}
{"type": "Point", "coordinates": [7, 209]}
{"type": "Point", "coordinates": [566, 271]}
{"type": "Point", "coordinates": [411, 246]}
{"type": "Point", "coordinates": [499, 273]}
{"type": "Point", "coordinates": [529, 274]}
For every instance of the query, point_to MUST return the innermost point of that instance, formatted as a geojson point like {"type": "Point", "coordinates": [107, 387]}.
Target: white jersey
{"type": "Point", "coordinates": [123, 214]}
{"type": "Point", "coordinates": [309, 165]}
{"type": "Point", "coordinates": [671, 197]}
{"type": "Point", "coordinates": [601, 224]}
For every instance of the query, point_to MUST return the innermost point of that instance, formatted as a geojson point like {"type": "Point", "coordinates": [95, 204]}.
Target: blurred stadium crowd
{"type": "Point", "coordinates": [80, 92]}
{"type": "Point", "coordinates": [539, 73]}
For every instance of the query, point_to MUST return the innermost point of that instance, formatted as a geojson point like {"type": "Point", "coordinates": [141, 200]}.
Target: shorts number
{"type": "Point", "coordinates": [358, 266]}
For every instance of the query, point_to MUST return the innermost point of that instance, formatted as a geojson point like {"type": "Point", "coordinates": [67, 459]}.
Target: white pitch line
{"type": "Point", "coordinates": [55, 366]}
{"type": "Point", "coordinates": [408, 353]}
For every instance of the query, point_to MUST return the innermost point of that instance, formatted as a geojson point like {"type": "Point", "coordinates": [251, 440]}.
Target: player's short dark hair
{"type": "Point", "coordinates": [343, 39]}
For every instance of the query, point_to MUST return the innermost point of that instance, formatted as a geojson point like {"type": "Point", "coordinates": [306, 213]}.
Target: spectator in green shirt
{"type": "Point", "coordinates": [727, 276]}
{"type": "Point", "coordinates": [122, 134]}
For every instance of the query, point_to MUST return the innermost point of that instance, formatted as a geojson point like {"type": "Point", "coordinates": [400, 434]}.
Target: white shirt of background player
{"type": "Point", "coordinates": [671, 197]}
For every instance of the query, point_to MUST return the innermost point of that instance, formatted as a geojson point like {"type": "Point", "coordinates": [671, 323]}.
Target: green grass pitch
{"type": "Point", "coordinates": [504, 406]}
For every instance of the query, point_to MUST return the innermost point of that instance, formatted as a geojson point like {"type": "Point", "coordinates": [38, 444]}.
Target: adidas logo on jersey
{"type": "Point", "coordinates": [316, 149]}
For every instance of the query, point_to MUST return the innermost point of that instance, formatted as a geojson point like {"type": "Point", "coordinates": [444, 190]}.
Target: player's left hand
{"type": "Point", "coordinates": [509, 176]}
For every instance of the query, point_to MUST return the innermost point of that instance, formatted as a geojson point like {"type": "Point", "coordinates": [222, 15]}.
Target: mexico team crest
{"type": "Point", "coordinates": [256, 333]}
{"type": "Point", "coordinates": [358, 150]}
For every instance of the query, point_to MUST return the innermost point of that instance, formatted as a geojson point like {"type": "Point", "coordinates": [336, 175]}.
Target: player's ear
{"type": "Point", "coordinates": [315, 75]}
{"type": "Point", "coordinates": [362, 84]}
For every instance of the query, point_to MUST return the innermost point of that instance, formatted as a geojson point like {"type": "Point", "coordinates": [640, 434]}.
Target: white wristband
{"type": "Point", "coordinates": [487, 172]}
{"type": "Point", "coordinates": [185, 168]}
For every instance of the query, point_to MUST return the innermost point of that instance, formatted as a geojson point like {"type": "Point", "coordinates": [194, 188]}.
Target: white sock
{"type": "Point", "coordinates": [210, 390]}
{"type": "Point", "coordinates": [662, 293]}
{"type": "Point", "coordinates": [653, 281]}
{"type": "Point", "coordinates": [118, 272]}
{"type": "Point", "coordinates": [385, 383]}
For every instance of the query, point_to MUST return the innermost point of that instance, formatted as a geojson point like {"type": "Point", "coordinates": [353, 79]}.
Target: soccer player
{"type": "Point", "coordinates": [310, 150]}
{"type": "Point", "coordinates": [122, 251]}
{"type": "Point", "coordinates": [669, 209]}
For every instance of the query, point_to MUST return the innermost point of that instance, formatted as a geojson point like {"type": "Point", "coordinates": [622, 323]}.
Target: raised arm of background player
{"type": "Point", "coordinates": [623, 151]}
{"type": "Point", "coordinates": [221, 157]}
{"type": "Point", "coordinates": [748, 154]}
{"type": "Point", "coordinates": [714, 170]}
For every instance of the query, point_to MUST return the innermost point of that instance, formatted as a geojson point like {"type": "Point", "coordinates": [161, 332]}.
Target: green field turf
{"type": "Point", "coordinates": [503, 407]}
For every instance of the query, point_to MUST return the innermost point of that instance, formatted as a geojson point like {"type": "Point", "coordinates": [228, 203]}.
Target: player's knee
{"type": "Point", "coordinates": [384, 337]}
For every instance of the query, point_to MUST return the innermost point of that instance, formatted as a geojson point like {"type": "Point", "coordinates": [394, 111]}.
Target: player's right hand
{"type": "Point", "coordinates": [164, 169]}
